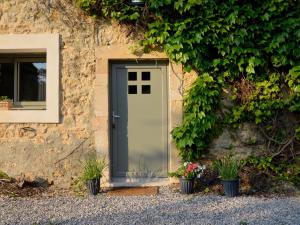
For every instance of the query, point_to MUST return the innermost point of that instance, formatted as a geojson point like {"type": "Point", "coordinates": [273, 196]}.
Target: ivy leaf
{"type": "Point", "coordinates": [134, 16]}
{"type": "Point", "coordinates": [265, 17]}
{"type": "Point", "coordinates": [250, 68]}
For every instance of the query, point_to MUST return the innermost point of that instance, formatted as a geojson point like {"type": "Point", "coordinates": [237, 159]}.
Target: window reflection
{"type": "Point", "coordinates": [7, 80]}
{"type": "Point", "coordinates": [32, 81]}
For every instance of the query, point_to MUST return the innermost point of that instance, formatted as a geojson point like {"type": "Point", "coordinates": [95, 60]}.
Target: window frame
{"type": "Point", "coordinates": [17, 104]}
{"type": "Point", "coordinates": [47, 44]}
{"type": "Point", "coordinates": [16, 60]}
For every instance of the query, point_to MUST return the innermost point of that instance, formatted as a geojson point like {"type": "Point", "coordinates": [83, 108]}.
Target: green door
{"type": "Point", "coordinates": [139, 120]}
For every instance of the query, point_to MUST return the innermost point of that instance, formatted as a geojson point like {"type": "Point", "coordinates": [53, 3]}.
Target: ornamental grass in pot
{"type": "Point", "coordinates": [187, 172]}
{"type": "Point", "coordinates": [228, 168]}
{"type": "Point", "coordinates": [92, 172]}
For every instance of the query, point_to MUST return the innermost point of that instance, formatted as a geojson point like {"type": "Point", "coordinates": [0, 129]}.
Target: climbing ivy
{"type": "Point", "coordinates": [252, 47]}
{"type": "Point", "coordinates": [193, 136]}
{"type": "Point", "coordinates": [118, 9]}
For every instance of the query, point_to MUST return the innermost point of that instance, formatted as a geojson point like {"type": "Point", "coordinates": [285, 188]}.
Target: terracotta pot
{"type": "Point", "coordinates": [5, 105]}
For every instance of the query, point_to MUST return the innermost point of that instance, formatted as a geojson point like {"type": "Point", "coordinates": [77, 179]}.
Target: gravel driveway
{"type": "Point", "coordinates": [165, 208]}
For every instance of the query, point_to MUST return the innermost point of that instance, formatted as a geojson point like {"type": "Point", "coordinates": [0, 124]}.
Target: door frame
{"type": "Point", "coordinates": [135, 63]}
{"type": "Point", "coordinates": [101, 124]}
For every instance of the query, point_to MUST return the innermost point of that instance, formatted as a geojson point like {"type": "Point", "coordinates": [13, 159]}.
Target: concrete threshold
{"type": "Point", "coordinates": [138, 182]}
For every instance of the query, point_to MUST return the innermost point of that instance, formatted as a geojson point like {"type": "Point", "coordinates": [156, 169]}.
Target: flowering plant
{"type": "Point", "coordinates": [188, 170]}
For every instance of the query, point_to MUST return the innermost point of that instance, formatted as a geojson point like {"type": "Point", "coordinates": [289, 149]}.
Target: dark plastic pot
{"type": "Point", "coordinates": [187, 185]}
{"type": "Point", "coordinates": [93, 186]}
{"type": "Point", "coordinates": [231, 187]}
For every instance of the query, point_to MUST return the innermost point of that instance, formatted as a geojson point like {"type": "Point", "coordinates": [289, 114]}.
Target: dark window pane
{"type": "Point", "coordinates": [7, 80]}
{"type": "Point", "coordinates": [145, 75]}
{"type": "Point", "coordinates": [146, 89]}
{"type": "Point", "coordinates": [132, 76]}
{"type": "Point", "coordinates": [132, 89]}
{"type": "Point", "coordinates": [32, 81]}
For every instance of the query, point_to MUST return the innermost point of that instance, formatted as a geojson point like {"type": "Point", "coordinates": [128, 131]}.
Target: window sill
{"type": "Point", "coordinates": [29, 116]}
{"type": "Point", "coordinates": [27, 108]}
{"type": "Point", "coordinates": [32, 107]}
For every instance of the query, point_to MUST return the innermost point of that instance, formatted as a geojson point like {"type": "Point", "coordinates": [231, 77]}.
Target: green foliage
{"type": "Point", "coordinates": [192, 137]}
{"type": "Point", "coordinates": [4, 98]}
{"type": "Point", "coordinates": [228, 167]}
{"type": "Point", "coordinates": [298, 133]}
{"type": "Point", "coordinates": [117, 9]}
{"type": "Point", "coordinates": [4, 176]}
{"type": "Point", "coordinates": [236, 42]}
{"type": "Point", "coordinates": [234, 37]}
{"type": "Point", "coordinates": [270, 94]}
{"type": "Point", "coordinates": [93, 168]}
{"type": "Point", "coordinates": [293, 80]}
{"type": "Point", "coordinates": [280, 169]}
{"type": "Point", "coordinates": [264, 101]}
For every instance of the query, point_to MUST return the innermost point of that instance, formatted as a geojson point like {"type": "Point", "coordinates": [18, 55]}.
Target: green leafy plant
{"type": "Point", "coordinates": [228, 167]}
{"type": "Point", "coordinates": [4, 176]}
{"type": "Point", "coordinates": [93, 168]}
{"type": "Point", "coordinates": [117, 9]}
{"type": "Point", "coordinates": [192, 136]}
{"type": "Point", "coordinates": [278, 168]}
{"type": "Point", "coordinates": [4, 98]}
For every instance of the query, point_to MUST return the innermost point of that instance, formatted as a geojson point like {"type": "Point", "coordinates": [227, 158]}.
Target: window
{"type": "Point", "coordinates": [146, 89]}
{"type": "Point", "coordinates": [145, 75]}
{"type": "Point", "coordinates": [132, 89]}
{"type": "Point", "coordinates": [23, 79]}
{"type": "Point", "coordinates": [29, 75]}
{"type": "Point", "coordinates": [132, 76]}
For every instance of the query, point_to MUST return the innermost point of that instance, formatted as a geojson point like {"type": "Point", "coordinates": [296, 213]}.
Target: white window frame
{"type": "Point", "coordinates": [35, 43]}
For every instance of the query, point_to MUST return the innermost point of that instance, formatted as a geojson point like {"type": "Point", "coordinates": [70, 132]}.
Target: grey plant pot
{"type": "Point", "coordinates": [187, 185]}
{"type": "Point", "coordinates": [231, 187]}
{"type": "Point", "coordinates": [93, 186]}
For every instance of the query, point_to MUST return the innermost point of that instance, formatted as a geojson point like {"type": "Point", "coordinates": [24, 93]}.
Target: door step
{"type": "Point", "coordinates": [138, 182]}
{"type": "Point", "coordinates": [133, 191]}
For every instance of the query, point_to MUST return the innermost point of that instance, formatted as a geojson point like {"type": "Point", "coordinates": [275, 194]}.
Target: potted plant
{"type": "Point", "coordinates": [228, 169]}
{"type": "Point", "coordinates": [187, 172]}
{"type": "Point", "coordinates": [5, 103]}
{"type": "Point", "coordinates": [92, 172]}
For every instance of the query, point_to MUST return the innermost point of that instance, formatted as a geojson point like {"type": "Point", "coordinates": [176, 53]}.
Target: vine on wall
{"type": "Point", "coordinates": [250, 47]}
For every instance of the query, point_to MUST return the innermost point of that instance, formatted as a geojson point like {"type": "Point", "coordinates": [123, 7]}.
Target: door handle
{"type": "Point", "coordinates": [114, 116]}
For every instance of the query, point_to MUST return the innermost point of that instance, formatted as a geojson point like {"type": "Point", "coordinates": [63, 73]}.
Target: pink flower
{"type": "Point", "coordinates": [190, 168]}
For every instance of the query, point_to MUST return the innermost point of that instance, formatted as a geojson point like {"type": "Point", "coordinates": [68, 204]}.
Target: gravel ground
{"type": "Point", "coordinates": [165, 208]}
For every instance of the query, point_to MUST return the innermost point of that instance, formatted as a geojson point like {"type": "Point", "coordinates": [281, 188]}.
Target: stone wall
{"type": "Point", "coordinates": [55, 151]}
{"type": "Point", "coordinates": [243, 140]}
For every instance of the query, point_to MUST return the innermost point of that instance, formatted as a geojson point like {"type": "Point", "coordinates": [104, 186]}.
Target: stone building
{"type": "Point", "coordinates": [78, 89]}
